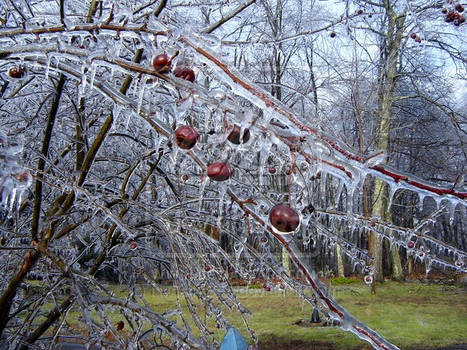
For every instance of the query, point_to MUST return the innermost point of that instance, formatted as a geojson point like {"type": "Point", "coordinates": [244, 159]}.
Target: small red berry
{"type": "Point", "coordinates": [234, 135]}
{"type": "Point", "coordinates": [413, 35]}
{"type": "Point", "coordinates": [17, 71]}
{"type": "Point", "coordinates": [161, 63]}
{"type": "Point", "coordinates": [359, 12]}
{"type": "Point", "coordinates": [332, 35]}
{"type": "Point", "coordinates": [184, 177]}
{"type": "Point", "coordinates": [120, 325]}
{"type": "Point", "coordinates": [272, 170]}
{"type": "Point", "coordinates": [284, 218]}
{"type": "Point", "coordinates": [185, 73]}
{"type": "Point", "coordinates": [282, 286]}
{"type": "Point", "coordinates": [218, 171]}
{"type": "Point", "coordinates": [186, 137]}
{"type": "Point", "coordinates": [289, 171]}
{"type": "Point", "coordinates": [133, 245]}
{"type": "Point", "coordinates": [410, 244]}
{"type": "Point", "coordinates": [450, 17]}
{"type": "Point", "coordinates": [418, 39]}
{"type": "Point", "coordinates": [444, 10]}
{"type": "Point", "coordinates": [207, 268]}
{"type": "Point", "coordinates": [459, 8]}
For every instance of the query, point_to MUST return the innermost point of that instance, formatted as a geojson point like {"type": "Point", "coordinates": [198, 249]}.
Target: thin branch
{"type": "Point", "coordinates": [44, 153]}
{"type": "Point", "coordinates": [229, 16]}
{"type": "Point", "coordinates": [92, 11]}
{"type": "Point", "coordinates": [144, 7]}
{"type": "Point", "coordinates": [159, 9]}
{"type": "Point", "coordinates": [62, 12]}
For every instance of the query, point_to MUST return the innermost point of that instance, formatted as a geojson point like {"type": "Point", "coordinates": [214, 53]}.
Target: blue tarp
{"type": "Point", "coordinates": [233, 341]}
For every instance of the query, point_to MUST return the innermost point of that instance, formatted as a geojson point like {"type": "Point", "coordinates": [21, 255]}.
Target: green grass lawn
{"type": "Point", "coordinates": [407, 314]}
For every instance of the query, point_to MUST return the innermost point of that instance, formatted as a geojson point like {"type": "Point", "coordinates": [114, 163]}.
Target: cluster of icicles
{"type": "Point", "coordinates": [14, 179]}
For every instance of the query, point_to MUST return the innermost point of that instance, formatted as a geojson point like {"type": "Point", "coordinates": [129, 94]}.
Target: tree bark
{"type": "Point", "coordinates": [390, 56]}
{"type": "Point", "coordinates": [340, 262]}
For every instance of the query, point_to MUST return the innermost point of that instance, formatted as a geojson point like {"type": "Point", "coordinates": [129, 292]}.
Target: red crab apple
{"type": "Point", "coordinates": [186, 137]}
{"type": "Point", "coordinates": [161, 63]}
{"type": "Point", "coordinates": [218, 171]}
{"type": "Point", "coordinates": [410, 244]}
{"type": "Point", "coordinates": [185, 73]}
{"type": "Point", "coordinates": [450, 17]}
{"type": "Point", "coordinates": [457, 22]}
{"type": "Point", "coordinates": [234, 135]}
{"type": "Point", "coordinates": [284, 218]}
{"type": "Point", "coordinates": [16, 71]}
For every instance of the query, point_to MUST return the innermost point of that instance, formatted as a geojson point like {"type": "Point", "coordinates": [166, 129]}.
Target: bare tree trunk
{"type": "Point", "coordinates": [410, 265]}
{"type": "Point", "coordinates": [390, 55]}
{"type": "Point", "coordinates": [397, 272]}
{"type": "Point", "coordinates": [340, 262]}
{"type": "Point", "coordinates": [286, 261]}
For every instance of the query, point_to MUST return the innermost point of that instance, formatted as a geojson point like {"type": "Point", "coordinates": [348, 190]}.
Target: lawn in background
{"type": "Point", "coordinates": [410, 315]}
